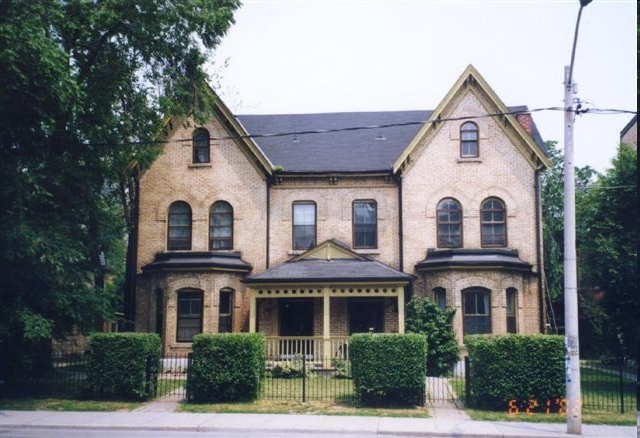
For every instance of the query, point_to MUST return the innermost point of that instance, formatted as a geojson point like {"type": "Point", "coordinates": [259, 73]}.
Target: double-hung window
{"type": "Point", "coordinates": [221, 226]}
{"type": "Point", "coordinates": [449, 217]}
{"type": "Point", "coordinates": [493, 217]}
{"type": "Point", "coordinates": [304, 225]}
{"type": "Point", "coordinates": [469, 140]}
{"type": "Point", "coordinates": [201, 148]}
{"type": "Point", "coordinates": [179, 232]}
{"type": "Point", "coordinates": [476, 307]}
{"type": "Point", "coordinates": [189, 315]}
{"type": "Point", "coordinates": [365, 224]}
{"type": "Point", "coordinates": [225, 311]}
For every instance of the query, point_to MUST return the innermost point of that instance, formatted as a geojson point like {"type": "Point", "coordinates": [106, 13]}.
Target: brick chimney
{"type": "Point", "coordinates": [526, 121]}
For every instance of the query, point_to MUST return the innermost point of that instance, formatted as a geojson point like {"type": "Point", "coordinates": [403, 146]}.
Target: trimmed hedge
{"type": "Point", "coordinates": [123, 365]}
{"type": "Point", "coordinates": [226, 367]}
{"type": "Point", "coordinates": [512, 367]}
{"type": "Point", "coordinates": [388, 369]}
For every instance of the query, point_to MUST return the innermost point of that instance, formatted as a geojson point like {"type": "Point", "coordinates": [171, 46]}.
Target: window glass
{"type": "Point", "coordinates": [304, 225]}
{"type": "Point", "coordinates": [179, 233]}
{"type": "Point", "coordinates": [512, 304]}
{"type": "Point", "coordinates": [225, 315]}
{"type": "Point", "coordinates": [221, 226]}
{"type": "Point", "coordinates": [201, 148]}
{"type": "Point", "coordinates": [493, 223]}
{"type": "Point", "coordinates": [449, 216]}
{"type": "Point", "coordinates": [189, 315]}
{"type": "Point", "coordinates": [476, 308]}
{"type": "Point", "coordinates": [365, 233]}
{"type": "Point", "coordinates": [469, 140]}
{"type": "Point", "coordinates": [440, 297]}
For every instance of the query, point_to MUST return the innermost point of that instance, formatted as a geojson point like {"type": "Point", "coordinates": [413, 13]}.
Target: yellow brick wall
{"type": "Point", "coordinates": [436, 171]}
{"type": "Point", "coordinates": [334, 203]}
{"type": "Point", "coordinates": [501, 170]}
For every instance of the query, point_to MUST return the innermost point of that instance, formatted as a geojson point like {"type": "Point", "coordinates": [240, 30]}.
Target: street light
{"type": "Point", "coordinates": [572, 345]}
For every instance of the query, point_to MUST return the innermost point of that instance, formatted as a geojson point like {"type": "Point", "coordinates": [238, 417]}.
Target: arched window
{"type": "Point", "coordinates": [189, 314]}
{"type": "Point", "coordinates": [201, 149]}
{"type": "Point", "coordinates": [179, 233]}
{"type": "Point", "coordinates": [221, 226]}
{"type": "Point", "coordinates": [365, 224]}
{"type": "Point", "coordinates": [469, 140]}
{"type": "Point", "coordinates": [440, 297]}
{"type": "Point", "coordinates": [225, 311]}
{"type": "Point", "coordinates": [449, 216]}
{"type": "Point", "coordinates": [512, 307]}
{"type": "Point", "coordinates": [476, 310]}
{"type": "Point", "coordinates": [493, 227]}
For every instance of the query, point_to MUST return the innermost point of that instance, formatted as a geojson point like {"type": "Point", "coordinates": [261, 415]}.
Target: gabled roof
{"type": "Point", "coordinates": [471, 80]}
{"type": "Point", "coordinates": [235, 129]}
{"type": "Point", "coordinates": [331, 261]}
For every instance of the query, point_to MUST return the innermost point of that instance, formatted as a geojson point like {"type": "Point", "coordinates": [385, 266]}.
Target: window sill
{"type": "Point", "coordinates": [470, 160]}
{"type": "Point", "coordinates": [200, 166]}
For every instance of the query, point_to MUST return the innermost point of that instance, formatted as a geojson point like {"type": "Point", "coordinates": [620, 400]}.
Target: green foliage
{"type": "Point", "coordinates": [423, 316]}
{"type": "Point", "coordinates": [226, 367]}
{"type": "Point", "coordinates": [84, 87]}
{"type": "Point", "coordinates": [515, 367]}
{"type": "Point", "coordinates": [388, 369]}
{"type": "Point", "coordinates": [552, 192]}
{"type": "Point", "coordinates": [608, 237]}
{"type": "Point", "coordinates": [123, 365]}
{"type": "Point", "coordinates": [291, 369]}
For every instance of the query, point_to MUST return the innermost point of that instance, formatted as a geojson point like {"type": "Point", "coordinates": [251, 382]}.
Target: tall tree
{"type": "Point", "coordinates": [609, 247]}
{"type": "Point", "coordinates": [83, 89]}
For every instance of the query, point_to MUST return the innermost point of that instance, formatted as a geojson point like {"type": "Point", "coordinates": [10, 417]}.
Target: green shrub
{"type": "Point", "coordinates": [123, 365]}
{"type": "Point", "coordinates": [291, 369]}
{"type": "Point", "coordinates": [516, 369]}
{"type": "Point", "coordinates": [423, 316]}
{"type": "Point", "coordinates": [226, 367]}
{"type": "Point", "coordinates": [388, 369]}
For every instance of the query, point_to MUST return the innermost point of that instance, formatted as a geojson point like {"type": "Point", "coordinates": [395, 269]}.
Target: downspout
{"type": "Point", "coordinates": [538, 250]}
{"type": "Point", "coordinates": [398, 179]}
{"type": "Point", "coordinates": [268, 234]}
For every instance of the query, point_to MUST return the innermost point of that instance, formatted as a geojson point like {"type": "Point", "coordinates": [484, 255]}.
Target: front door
{"type": "Point", "coordinates": [366, 316]}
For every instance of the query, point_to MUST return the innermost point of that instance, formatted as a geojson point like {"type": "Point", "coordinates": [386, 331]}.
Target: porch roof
{"type": "Point", "coordinates": [333, 270]}
{"type": "Point", "coordinates": [472, 259]}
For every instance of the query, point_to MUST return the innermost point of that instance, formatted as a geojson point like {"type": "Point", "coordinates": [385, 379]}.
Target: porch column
{"type": "Point", "coordinates": [326, 327]}
{"type": "Point", "coordinates": [401, 310]}
{"type": "Point", "coordinates": [252, 311]}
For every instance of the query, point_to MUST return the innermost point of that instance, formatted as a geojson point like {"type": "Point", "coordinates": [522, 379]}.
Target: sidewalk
{"type": "Point", "coordinates": [297, 423]}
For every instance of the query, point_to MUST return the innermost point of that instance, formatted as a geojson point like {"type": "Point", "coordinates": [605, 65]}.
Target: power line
{"type": "Point", "coordinates": [355, 128]}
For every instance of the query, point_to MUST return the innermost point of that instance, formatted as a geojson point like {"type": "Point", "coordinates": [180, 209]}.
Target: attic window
{"type": "Point", "coordinates": [201, 149]}
{"type": "Point", "coordinates": [469, 140]}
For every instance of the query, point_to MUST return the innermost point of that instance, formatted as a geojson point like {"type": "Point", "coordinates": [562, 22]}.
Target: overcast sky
{"type": "Point", "coordinates": [333, 56]}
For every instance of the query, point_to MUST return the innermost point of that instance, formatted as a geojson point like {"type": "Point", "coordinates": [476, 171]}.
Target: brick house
{"type": "Point", "coordinates": [307, 229]}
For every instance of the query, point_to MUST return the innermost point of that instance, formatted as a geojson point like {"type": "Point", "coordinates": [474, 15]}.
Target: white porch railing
{"type": "Point", "coordinates": [311, 347]}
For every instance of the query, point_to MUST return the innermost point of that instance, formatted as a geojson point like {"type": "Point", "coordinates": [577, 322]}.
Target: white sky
{"type": "Point", "coordinates": [334, 56]}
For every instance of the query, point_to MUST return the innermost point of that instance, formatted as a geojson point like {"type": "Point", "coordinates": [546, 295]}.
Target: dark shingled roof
{"type": "Point", "coordinates": [197, 261]}
{"type": "Point", "coordinates": [472, 259]}
{"type": "Point", "coordinates": [334, 270]}
{"type": "Point", "coordinates": [345, 148]}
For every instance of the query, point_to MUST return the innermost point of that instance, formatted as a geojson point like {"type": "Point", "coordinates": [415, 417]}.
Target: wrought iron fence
{"type": "Point", "coordinates": [62, 376]}
{"type": "Point", "coordinates": [306, 377]}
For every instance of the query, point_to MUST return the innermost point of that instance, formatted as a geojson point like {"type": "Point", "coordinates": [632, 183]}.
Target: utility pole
{"type": "Point", "coordinates": [572, 345]}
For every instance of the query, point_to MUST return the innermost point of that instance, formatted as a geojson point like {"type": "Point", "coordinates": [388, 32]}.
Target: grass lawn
{"type": "Point", "coordinates": [56, 404]}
